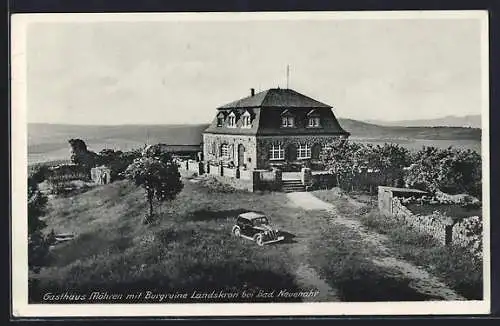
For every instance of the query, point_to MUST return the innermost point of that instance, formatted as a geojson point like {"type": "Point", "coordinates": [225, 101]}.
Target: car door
{"type": "Point", "coordinates": [245, 226]}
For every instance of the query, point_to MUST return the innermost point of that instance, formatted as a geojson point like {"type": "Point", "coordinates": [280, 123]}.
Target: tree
{"type": "Point", "coordinates": [38, 244]}
{"type": "Point", "coordinates": [160, 179]}
{"type": "Point", "coordinates": [449, 170]}
{"type": "Point", "coordinates": [342, 158]}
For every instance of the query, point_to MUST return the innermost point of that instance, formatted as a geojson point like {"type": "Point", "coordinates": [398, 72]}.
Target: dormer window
{"type": "Point", "coordinates": [231, 120]}
{"type": "Point", "coordinates": [287, 119]}
{"type": "Point", "coordinates": [313, 119]}
{"type": "Point", "coordinates": [220, 119]}
{"type": "Point", "coordinates": [245, 120]}
{"type": "Point", "coordinates": [314, 122]}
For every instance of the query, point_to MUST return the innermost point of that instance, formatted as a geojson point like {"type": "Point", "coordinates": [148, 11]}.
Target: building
{"type": "Point", "coordinates": [276, 127]}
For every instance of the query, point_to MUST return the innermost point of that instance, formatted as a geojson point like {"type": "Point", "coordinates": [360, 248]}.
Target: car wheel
{"type": "Point", "coordinates": [259, 239]}
{"type": "Point", "coordinates": [236, 231]}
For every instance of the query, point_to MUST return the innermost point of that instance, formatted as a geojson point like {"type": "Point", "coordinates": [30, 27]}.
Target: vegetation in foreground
{"type": "Point", "coordinates": [189, 248]}
{"type": "Point", "coordinates": [453, 265]}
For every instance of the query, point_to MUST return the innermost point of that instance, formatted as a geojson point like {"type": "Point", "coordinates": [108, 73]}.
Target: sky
{"type": "Point", "coordinates": [171, 72]}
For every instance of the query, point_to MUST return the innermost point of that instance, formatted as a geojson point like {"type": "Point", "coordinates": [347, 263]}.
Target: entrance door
{"type": "Point", "coordinates": [241, 155]}
{"type": "Point", "coordinates": [291, 153]}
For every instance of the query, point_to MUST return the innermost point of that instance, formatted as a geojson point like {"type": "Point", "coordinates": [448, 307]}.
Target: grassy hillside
{"type": "Point", "coordinates": [190, 248]}
{"type": "Point", "coordinates": [50, 141]}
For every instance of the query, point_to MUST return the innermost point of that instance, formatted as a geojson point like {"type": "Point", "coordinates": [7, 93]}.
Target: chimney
{"type": "Point", "coordinates": [252, 91]}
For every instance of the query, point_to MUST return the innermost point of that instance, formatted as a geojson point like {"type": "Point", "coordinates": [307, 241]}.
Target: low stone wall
{"type": "Point", "coordinates": [323, 181]}
{"type": "Point", "coordinates": [430, 224]}
{"type": "Point", "coordinates": [229, 172]}
{"type": "Point", "coordinates": [267, 180]}
{"type": "Point", "coordinates": [250, 180]}
{"type": "Point", "coordinates": [245, 175]}
{"type": "Point", "coordinates": [466, 233]}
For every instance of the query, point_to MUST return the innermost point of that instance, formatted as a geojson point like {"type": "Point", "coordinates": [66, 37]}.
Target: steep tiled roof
{"type": "Point", "coordinates": [276, 97]}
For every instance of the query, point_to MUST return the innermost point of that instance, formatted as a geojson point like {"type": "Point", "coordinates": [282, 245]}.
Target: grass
{"type": "Point", "coordinates": [454, 265]}
{"type": "Point", "coordinates": [344, 260]}
{"type": "Point", "coordinates": [189, 248]}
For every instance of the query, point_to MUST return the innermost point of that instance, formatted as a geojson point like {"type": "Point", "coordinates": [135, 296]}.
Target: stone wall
{"type": "Point", "coordinates": [466, 233]}
{"type": "Point", "coordinates": [212, 149]}
{"type": "Point", "coordinates": [250, 180]}
{"type": "Point", "coordinates": [323, 180]}
{"type": "Point", "coordinates": [430, 224]}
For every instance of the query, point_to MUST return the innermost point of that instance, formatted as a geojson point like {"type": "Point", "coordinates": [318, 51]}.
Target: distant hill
{"type": "Point", "coordinates": [50, 141]}
{"type": "Point", "coordinates": [369, 130]}
{"type": "Point", "coordinates": [472, 121]}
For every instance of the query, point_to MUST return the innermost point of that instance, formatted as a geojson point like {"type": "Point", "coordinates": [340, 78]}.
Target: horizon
{"type": "Point", "coordinates": [179, 72]}
{"type": "Point", "coordinates": [208, 122]}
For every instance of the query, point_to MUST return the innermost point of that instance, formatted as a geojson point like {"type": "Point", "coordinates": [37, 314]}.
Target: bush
{"type": "Point", "coordinates": [449, 170]}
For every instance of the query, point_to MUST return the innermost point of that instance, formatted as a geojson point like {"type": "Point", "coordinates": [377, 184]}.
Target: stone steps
{"type": "Point", "coordinates": [293, 186]}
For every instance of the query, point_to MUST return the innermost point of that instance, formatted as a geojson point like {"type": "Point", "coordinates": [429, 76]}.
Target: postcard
{"type": "Point", "coordinates": [250, 164]}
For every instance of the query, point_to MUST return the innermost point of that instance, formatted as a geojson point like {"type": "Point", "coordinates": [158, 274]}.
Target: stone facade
{"type": "Point", "coordinates": [290, 145]}
{"type": "Point", "coordinates": [212, 144]}
{"type": "Point", "coordinates": [257, 149]}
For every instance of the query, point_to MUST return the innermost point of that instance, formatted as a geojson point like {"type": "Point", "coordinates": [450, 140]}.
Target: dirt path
{"type": "Point", "coordinates": [421, 280]}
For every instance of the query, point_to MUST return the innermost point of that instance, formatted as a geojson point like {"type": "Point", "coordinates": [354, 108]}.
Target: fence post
{"type": "Point", "coordinates": [278, 179]}
{"type": "Point", "coordinates": [306, 176]}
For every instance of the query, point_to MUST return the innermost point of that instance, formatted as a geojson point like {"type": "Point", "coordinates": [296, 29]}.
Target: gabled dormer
{"type": "Point", "coordinates": [220, 119]}
{"type": "Point", "coordinates": [246, 120]}
{"type": "Point", "coordinates": [231, 120]}
{"type": "Point", "coordinates": [287, 119]}
{"type": "Point", "coordinates": [313, 119]}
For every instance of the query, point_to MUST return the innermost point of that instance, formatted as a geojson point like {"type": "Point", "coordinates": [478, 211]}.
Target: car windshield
{"type": "Point", "coordinates": [260, 220]}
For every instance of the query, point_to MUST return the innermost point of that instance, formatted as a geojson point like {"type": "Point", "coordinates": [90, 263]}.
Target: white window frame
{"type": "Point", "coordinates": [245, 120]}
{"type": "Point", "coordinates": [303, 151]}
{"type": "Point", "coordinates": [287, 121]}
{"type": "Point", "coordinates": [224, 150]}
{"type": "Point", "coordinates": [276, 152]}
{"type": "Point", "coordinates": [231, 121]}
{"type": "Point", "coordinates": [314, 122]}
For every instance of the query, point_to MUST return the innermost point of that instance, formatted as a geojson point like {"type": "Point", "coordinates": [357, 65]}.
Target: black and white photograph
{"type": "Point", "coordinates": [291, 163]}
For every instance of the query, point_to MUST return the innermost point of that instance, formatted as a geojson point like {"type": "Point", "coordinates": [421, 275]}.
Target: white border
{"type": "Point", "coordinates": [20, 306]}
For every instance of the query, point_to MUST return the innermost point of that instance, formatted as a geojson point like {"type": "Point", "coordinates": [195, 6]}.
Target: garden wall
{"type": "Point", "coordinates": [465, 233]}
{"type": "Point", "coordinates": [250, 180]}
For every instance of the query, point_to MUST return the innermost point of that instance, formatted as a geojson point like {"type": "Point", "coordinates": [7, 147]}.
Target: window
{"type": "Point", "coordinates": [224, 150]}
{"type": "Point", "coordinates": [304, 151]}
{"type": "Point", "coordinates": [214, 148]}
{"type": "Point", "coordinates": [313, 122]}
{"type": "Point", "coordinates": [220, 121]}
{"type": "Point", "coordinates": [277, 152]}
{"type": "Point", "coordinates": [231, 120]}
{"type": "Point", "coordinates": [245, 120]}
{"type": "Point", "coordinates": [287, 121]}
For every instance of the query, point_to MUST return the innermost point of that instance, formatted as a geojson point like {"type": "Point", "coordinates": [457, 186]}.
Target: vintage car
{"type": "Point", "coordinates": [255, 226]}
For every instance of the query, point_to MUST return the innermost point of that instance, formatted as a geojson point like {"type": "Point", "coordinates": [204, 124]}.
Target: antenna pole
{"type": "Point", "coordinates": [287, 75]}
